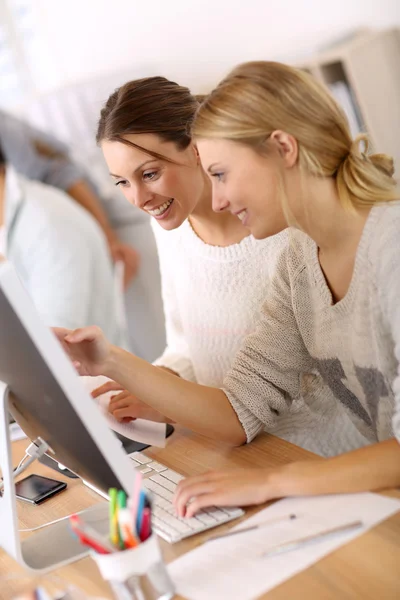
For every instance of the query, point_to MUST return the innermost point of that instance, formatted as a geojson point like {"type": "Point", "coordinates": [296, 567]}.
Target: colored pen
{"type": "Point", "coordinates": [114, 536]}
{"type": "Point", "coordinates": [126, 528]}
{"type": "Point", "coordinates": [145, 529]}
{"type": "Point", "coordinates": [134, 500]}
{"type": "Point", "coordinates": [121, 505]}
{"type": "Point", "coordinates": [139, 515]}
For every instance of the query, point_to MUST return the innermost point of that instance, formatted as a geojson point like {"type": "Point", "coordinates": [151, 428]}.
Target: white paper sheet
{"type": "Point", "coordinates": [140, 430]}
{"type": "Point", "coordinates": [233, 568]}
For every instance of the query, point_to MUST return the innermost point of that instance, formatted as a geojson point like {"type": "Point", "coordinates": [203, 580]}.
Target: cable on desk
{"type": "Point", "coordinates": [34, 451]}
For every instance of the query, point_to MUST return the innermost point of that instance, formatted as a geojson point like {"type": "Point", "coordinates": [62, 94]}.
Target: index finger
{"type": "Point", "coordinates": [109, 386]}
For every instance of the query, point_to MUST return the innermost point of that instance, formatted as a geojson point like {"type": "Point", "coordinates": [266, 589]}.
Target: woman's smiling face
{"type": "Point", "coordinates": [245, 183]}
{"type": "Point", "coordinates": [167, 188]}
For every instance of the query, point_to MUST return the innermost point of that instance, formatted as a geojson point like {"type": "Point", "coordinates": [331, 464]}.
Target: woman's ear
{"type": "Point", "coordinates": [286, 145]}
{"type": "Point", "coordinates": [196, 153]}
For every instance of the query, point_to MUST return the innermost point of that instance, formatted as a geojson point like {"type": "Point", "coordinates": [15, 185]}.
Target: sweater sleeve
{"type": "Point", "coordinates": [386, 258]}
{"type": "Point", "coordinates": [176, 355]}
{"type": "Point", "coordinates": [37, 155]}
{"type": "Point", "coordinates": [265, 376]}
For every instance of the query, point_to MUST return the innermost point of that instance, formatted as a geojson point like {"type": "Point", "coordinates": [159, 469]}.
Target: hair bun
{"type": "Point", "coordinates": [383, 162]}
{"type": "Point", "coordinates": [355, 145]}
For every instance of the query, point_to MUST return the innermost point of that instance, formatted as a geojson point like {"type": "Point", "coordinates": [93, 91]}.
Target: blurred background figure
{"type": "Point", "coordinates": [42, 157]}
{"type": "Point", "coordinates": [60, 254]}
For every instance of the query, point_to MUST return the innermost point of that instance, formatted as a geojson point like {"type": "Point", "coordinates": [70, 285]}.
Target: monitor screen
{"type": "Point", "coordinates": [48, 399]}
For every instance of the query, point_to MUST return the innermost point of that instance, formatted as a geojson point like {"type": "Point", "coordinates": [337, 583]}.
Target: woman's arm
{"type": "Point", "coordinates": [83, 194]}
{"type": "Point", "coordinates": [258, 391]}
{"type": "Point", "coordinates": [204, 409]}
{"type": "Point", "coordinates": [370, 468]}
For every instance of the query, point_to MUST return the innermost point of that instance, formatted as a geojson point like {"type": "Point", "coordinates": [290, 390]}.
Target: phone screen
{"type": "Point", "coordinates": [36, 488]}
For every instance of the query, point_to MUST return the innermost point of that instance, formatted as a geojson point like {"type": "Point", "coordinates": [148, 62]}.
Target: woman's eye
{"type": "Point", "coordinates": [150, 175]}
{"type": "Point", "coordinates": [122, 182]}
{"type": "Point", "coordinates": [218, 176]}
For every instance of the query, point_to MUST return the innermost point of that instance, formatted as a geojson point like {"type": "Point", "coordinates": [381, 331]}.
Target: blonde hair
{"type": "Point", "coordinates": [257, 98]}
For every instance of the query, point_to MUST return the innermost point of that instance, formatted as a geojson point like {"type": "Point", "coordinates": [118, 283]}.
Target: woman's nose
{"type": "Point", "coordinates": [219, 202]}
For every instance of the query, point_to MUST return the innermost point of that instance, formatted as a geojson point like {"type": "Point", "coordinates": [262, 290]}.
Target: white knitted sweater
{"type": "Point", "coordinates": [212, 298]}
{"type": "Point", "coordinates": [353, 346]}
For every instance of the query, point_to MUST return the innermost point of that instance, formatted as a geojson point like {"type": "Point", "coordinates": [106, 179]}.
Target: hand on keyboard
{"type": "Point", "coordinates": [230, 487]}
{"type": "Point", "coordinates": [162, 482]}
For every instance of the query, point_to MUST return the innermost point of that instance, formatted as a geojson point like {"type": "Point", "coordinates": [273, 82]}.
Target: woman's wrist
{"type": "Point", "coordinates": [112, 366]}
{"type": "Point", "coordinates": [294, 479]}
{"type": "Point", "coordinates": [274, 483]}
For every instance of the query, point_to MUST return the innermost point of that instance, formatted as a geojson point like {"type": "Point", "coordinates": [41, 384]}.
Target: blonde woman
{"type": "Point", "coordinates": [279, 152]}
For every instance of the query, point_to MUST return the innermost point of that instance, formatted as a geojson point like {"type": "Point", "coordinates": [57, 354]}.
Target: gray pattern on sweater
{"type": "Point", "coordinates": [350, 350]}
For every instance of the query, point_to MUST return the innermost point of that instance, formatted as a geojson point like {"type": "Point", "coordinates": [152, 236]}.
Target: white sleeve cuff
{"type": "Point", "coordinates": [178, 363]}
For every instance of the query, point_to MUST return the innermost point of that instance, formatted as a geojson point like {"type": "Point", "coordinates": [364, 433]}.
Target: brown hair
{"type": "Point", "coordinates": [151, 105]}
{"type": "Point", "coordinates": [258, 98]}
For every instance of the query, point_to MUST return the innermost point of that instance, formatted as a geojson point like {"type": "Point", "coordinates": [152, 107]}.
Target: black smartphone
{"type": "Point", "coordinates": [36, 489]}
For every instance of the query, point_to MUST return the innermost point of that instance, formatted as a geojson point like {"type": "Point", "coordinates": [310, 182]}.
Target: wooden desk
{"type": "Point", "coordinates": [367, 567]}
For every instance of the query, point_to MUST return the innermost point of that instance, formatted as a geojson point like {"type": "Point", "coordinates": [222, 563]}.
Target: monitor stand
{"type": "Point", "coordinates": [128, 445]}
{"type": "Point", "coordinates": [51, 547]}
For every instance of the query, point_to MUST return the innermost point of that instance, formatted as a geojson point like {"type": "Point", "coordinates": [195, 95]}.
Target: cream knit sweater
{"type": "Point", "coordinates": [212, 301]}
{"type": "Point", "coordinates": [353, 346]}
{"type": "Point", "coordinates": [212, 298]}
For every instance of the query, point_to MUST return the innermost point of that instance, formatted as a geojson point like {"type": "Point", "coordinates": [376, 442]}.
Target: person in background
{"type": "Point", "coordinates": [59, 252]}
{"type": "Point", "coordinates": [41, 157]}
{"type": "Point", "coordinates": [279, 152]}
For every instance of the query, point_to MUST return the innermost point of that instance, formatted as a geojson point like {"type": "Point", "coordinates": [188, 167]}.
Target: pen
{"type": "Point", "coordinates": [252, 527]}
{"type": "Point", "coordinates": [134, 500]}
{"type": "Point", "coordinates": [114, 537]}
{"type": "Point", "coordinates": [126, 528]}
{"type": "Point", "coordinates": [145, 529]}
{"type": "Point", "coordinates": [300, 541]}
{"type": "Point", "coordinates": [121, 505]}
{"type": "Point", "coordinates": [139, 516]}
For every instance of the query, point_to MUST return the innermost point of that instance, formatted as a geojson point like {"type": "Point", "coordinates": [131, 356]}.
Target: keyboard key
{"type": "Point", "coordinates": [158, 489]}
{"type": "Point", "coordinates": [203, 517]}
{"type": "Point", "coordinates": [216, 513]}
{"type": "Point", "coordinates": [140, 458]}
{"type": "Point", "coordinates": [157, 466]}
{"type": "Point", "coordinates": [232, 512]}
{"type": "Point", "coordinates": [194, 524]}
{"type": "Point", "coordinates": [173, 476]}
{"type": "Point", "coordinates": [162, 527]}
{"type": "Point", "coordinates": [176, 524]}
{"type": "Point", "coordinates": [145, 470]}
{"type": "Point", "coordinates": [169, 485]}
{"type": "Point", "coordinates": [161, 502]}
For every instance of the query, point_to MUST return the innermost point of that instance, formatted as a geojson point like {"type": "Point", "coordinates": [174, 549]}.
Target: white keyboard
{"type": "Point", "coordinates": [162, 482]}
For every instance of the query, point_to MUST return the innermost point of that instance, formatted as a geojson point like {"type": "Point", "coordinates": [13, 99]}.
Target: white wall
{"type": "Point", "coordinates": [193, 41]}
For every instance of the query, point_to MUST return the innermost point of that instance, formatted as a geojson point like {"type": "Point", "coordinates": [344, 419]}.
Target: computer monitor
{"type": "Point", "coordinates": [48, 400]}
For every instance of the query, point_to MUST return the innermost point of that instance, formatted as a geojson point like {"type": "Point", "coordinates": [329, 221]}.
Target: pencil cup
{"type": "Point", "coordinates": [138, 573]}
